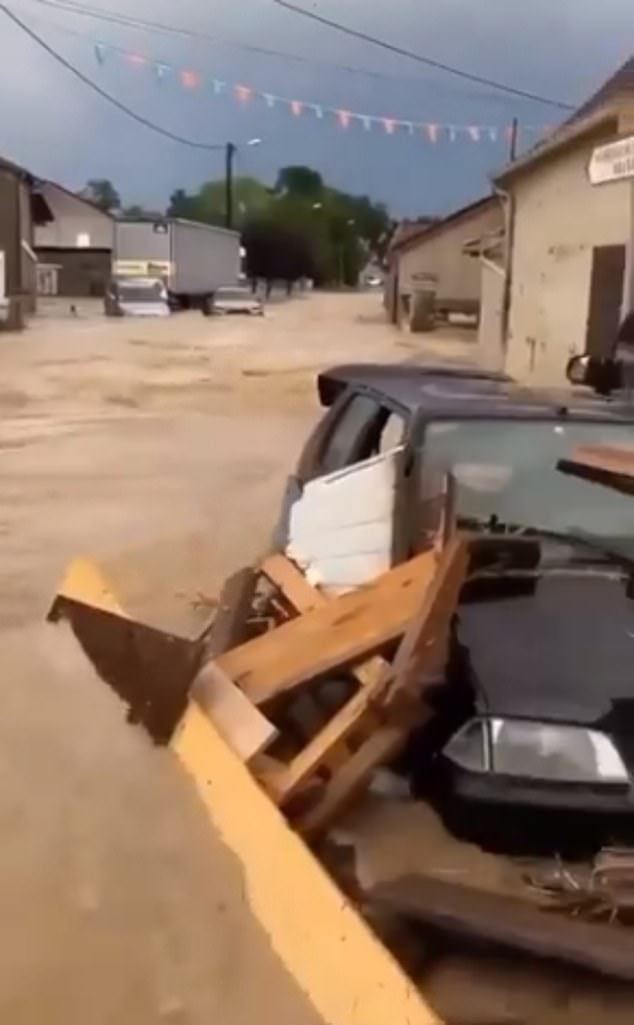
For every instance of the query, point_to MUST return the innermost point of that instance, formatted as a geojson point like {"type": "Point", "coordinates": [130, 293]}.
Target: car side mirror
{"type": "Point", "coordinates": [603, 375]}
{"type": "Point", "coordinates": [577, 369]}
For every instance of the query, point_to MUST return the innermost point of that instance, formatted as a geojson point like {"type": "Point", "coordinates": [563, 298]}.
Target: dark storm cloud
{"type": "Point", "coordinates": [56, 126]}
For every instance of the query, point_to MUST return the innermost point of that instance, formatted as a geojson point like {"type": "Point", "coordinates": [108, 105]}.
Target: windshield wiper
{"type": "Point", "coordinates": [518, 531]}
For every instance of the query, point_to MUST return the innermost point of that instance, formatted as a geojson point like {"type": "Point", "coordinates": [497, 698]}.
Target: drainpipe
{"type": "Point", "coordinates": [508, 203]}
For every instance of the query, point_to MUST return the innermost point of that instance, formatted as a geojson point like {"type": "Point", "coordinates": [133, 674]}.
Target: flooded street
{"type": "Point", "coordinates": [172, 438]}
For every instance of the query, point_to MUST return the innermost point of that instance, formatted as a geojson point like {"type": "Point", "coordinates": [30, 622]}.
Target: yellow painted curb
{"type": "Point", "coordinates": [347, 974]}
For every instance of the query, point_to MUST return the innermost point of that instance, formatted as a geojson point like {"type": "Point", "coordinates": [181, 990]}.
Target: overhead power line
{"type": "Point", "coordinates": [161, 28]}
{"type": "Point", "coordinates": [419, 58]}
{"type": "Point", "coordinates": [193, 143]}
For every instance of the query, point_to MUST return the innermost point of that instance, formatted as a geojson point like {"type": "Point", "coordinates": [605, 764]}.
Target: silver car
{"type": "Point", "coordinates": [136, 297]}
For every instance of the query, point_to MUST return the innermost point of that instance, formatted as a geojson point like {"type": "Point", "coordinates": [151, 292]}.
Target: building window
{"type": "Point", "coordinates": [83, 240]}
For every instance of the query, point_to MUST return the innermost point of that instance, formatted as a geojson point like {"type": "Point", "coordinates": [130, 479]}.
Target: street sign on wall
{"type": "Point", "coordinates": [612, 162]}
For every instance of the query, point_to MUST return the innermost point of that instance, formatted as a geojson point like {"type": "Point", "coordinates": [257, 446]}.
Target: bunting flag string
{"type": "Point", "coordinates": [433, 132]}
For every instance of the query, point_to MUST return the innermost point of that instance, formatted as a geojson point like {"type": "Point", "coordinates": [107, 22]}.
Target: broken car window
{"type": "Point", "coordinates": [357, 434]}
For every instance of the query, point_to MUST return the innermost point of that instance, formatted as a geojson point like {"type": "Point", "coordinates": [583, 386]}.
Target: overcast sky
{"type": "Point", "coordinates": [55, 126]}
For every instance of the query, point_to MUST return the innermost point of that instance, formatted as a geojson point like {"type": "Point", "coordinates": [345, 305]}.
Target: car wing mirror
{"type": "Point", "coordinates": [577, 369]}
{"type": "Point", "coordinates": [603, 375]}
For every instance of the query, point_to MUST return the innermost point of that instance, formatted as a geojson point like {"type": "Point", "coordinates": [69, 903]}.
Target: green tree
{"type": "Point", "coordinates": [298, 180]}
{"type": "Point", "coordinates": [208, 204]}
{"type": "Point", "coordinates": [102, 193]}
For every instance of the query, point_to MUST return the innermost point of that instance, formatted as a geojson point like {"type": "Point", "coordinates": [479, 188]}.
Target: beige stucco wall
{"type": "Point", "coordinates": [458, 276]}
{"type": "Point", "coordinates": [559, 218]}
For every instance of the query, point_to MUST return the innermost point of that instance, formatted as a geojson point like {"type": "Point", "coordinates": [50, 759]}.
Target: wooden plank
{"type": "Point", "coordinates": [417, 654]}
{"type": "Point", "coordinates": [353, 777]}
{"type": "Point", "coordinates": [283, 781]}
{"type": "Point", "coordinates": [238, 722]}
{"type": "Point", "coordinates": [338, 634]}
{"type": "Point", "coordinates": [304, 598]}
{"type": "Point", "coordinates": [510, 922]}
{"type": "Point", "coordinates": [611, 467]}
{"type": "Point", "coordinates": [293, 584]}
{"type": "Point", "coordinates": [234, 605]}
{"type": "Point", "coordinates": [422, 648]}
{"type": "Point", "coordinates": [602, 457]}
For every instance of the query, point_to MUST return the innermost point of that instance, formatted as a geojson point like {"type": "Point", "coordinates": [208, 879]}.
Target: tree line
{"type": "Point", "coordinates": [299, 228]}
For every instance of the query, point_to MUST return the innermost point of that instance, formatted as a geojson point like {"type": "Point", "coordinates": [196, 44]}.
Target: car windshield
{"type": "Point", "coordinates": [508, 470]}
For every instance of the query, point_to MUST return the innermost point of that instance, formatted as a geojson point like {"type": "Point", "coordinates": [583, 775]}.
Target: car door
{"type": "Point", "coordinates": [359, 425]}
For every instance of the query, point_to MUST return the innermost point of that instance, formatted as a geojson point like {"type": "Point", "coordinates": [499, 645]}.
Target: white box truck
{"type": "Point", "coordinates": [192, 259]}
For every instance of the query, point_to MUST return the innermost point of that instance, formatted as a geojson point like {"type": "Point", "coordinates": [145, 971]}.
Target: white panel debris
{"type": "Point", "coordinates": [341, 529]}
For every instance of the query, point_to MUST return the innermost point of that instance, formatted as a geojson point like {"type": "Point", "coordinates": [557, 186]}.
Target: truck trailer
{"type": "Point", "coordinates": [192, 259]}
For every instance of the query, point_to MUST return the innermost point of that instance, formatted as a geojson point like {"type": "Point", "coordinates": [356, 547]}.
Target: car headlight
{"type": "Point", "coordinates": [540, 751]}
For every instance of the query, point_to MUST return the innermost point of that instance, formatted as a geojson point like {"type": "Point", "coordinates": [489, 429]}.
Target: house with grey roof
{"type": "Point", "coordinates": [564, 286]}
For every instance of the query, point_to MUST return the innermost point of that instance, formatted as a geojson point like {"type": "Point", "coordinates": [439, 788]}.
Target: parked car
{"type": "Point", "coordinates": [535, 708]}
{"type": "Point", "coordinates": [237, 300]}
{"type": "Point", "coordinates": [136, 297]}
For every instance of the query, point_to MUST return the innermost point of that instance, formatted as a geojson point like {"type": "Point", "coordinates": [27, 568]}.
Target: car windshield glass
{"type": "Point", "coordinates": [508, 470]}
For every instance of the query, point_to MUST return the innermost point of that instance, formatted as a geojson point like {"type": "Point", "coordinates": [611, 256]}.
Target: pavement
{"type": "Point", "coordinates": [169, 441]}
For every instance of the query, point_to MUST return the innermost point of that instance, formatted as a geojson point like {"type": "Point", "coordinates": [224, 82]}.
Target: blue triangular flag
{"type": "Point", "coordinates": [101, 51]}
{"type": "Point", "coordinates": [161, 70]}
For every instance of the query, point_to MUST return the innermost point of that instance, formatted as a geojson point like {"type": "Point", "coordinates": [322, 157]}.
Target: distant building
{"type": "Point", "coordinates": [566, 283]}
{"type": "Point", "coordinates": [432, 256]}
{"type": "Point", "coordinates": [74, 246]}
{"type": "Point", "coordinates": [17, 214]}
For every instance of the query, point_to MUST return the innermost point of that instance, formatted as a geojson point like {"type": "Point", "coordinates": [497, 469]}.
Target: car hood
{"type": "Point", "coordinates": [563, 653]}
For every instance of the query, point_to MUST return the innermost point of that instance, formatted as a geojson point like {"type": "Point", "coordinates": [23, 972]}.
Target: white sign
{"type": "Point", "coordinates": [612, 162]}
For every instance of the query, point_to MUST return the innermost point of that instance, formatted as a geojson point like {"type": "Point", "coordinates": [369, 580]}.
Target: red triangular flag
{"type": "Point", "coordinates": [297, 106]}
{"type": "Point", "coordinates": [344, 117]}
{"type": "Point", "coordinates": [432, 132]}
{"type": "Point", "coordinates": [474, 132]}
{"type": "Point", "coordinates": [389, 124]}
{"type": "Point", "coordinates": [136, 60]}
{"type": "Point", "coordinates": [189, 79]}
{"type": "Point", "coordinates": [243, 93]}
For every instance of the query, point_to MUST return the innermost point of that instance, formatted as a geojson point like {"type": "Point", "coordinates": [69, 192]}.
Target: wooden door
{"type": "Point", "coordinates": [606, 297]}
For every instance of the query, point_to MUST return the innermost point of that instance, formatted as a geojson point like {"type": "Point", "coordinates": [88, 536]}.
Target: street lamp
{"type": "Point", "coordinates": [230, 152]}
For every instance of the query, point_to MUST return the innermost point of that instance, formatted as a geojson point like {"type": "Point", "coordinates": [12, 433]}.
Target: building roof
{"type": "Point", "coordinates": [620, 84]}
{"type": "Point", "coordinates": [424, 232]}
{"type": "Point", "coordinates": [20, 172]}
{"type": "Point", "coordinates": [598, 116]}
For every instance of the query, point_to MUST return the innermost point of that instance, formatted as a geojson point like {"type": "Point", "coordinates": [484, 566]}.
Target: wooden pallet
{"type": "Point", "coordinates": [371, 727]}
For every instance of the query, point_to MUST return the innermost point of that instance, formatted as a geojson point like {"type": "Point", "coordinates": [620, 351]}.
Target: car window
{"type": "Point", "coordinates": [392, 433]}
{"type": "Point", "coordinates": [359, 432]}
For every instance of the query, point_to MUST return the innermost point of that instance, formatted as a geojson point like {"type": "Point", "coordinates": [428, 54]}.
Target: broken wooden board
{"type": "Point", "coordinates": [305, 598]}
{"type": "Point", "coordinates": [612, 467]}
{"type": "Point", "coordinates": [382, 744]}
{"type": "Point", "coordinates": [238, 722]}
{"type": "Point", "coordinates": [509, 922]}
{"type": "Point", "coordinates": [336, 635]}
{"type": "Point", "coordinates": [417, 657]}
{"type": "Point", "coordinates": [422, 650]}
{"type": "Point", "coordinates": [329, 746]}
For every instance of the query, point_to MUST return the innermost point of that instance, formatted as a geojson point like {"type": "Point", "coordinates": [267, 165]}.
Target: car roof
{"type": "Point", "coordinates": [439, 390]}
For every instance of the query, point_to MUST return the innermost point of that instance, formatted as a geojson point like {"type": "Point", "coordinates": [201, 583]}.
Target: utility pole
{"type": "Point", "coordinates": [230, 153]}
{"type": "Point", "coordinates": [513, 140]}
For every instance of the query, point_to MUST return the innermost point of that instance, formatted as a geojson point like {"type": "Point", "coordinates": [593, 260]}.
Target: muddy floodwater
{"type": "Point", "coordinates": [168, 441]}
